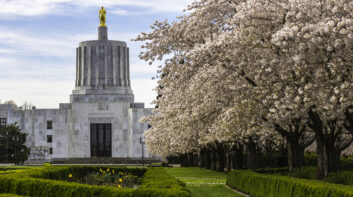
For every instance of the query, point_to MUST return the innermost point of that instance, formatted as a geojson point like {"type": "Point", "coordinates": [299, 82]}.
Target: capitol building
{"type": "Point", "coordinates": [102, 121]}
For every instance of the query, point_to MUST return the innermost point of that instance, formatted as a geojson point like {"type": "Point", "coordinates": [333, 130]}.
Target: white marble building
{"type": "Point", "coordinates": [101, 119]}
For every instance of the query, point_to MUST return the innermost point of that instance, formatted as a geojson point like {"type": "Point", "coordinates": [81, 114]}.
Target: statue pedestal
{"type": "Point", "coordinates": [102, 33]}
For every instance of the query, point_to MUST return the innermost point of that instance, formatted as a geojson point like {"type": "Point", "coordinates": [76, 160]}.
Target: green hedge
{"type": "Point", "coordinates": [267, 185]}
{"type": "Point", "coordinates": [346, 163]}
{"type": "Point", "coordinates": [304, 172]}
{"type": "Point", "coordinates": [40, 183]}
{"type": "Point", "coordinates": [341, 177]}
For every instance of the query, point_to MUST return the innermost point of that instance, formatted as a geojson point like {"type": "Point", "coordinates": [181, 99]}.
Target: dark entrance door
{"type": "Point", "coordinates": [101, 143]}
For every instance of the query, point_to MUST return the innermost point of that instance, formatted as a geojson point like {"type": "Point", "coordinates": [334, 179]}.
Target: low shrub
{"type": "Point", "coordinates": [347, 163]}
{"type": "Point", "coordinates": [51, 182]}
{"type": "Point", "coordinates": [267, 185]}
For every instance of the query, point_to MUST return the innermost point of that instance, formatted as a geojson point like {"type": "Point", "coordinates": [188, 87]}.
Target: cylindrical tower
{"type": "Point", "coordinates": [102, 67]}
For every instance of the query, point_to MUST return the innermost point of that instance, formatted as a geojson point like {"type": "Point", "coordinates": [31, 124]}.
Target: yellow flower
{"type": "Point", "coordinates": [119, 186]}
{"type": "Point", "coordinates": [120, 180]}
{"type": "Point", "coordinates": [113, 171]}
{"type": "Point", "coordinates": [101, 170]}
{"type": "Point", "coordinates": [120, 173]}
{"type": "Point", "coordinates": [108, 170]}
{"type": "Point", "coordinates": [70, 176]}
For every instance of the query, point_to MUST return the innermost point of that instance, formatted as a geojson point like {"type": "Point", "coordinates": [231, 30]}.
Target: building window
{"type": "Point", "coordinates": [49, 138]}
{"type": "Point", "coordinates": [49, 124]}
{"type": "Point", "coordinates": [51, 151]}
{"type": "Point", "coordinates": [2, 122]}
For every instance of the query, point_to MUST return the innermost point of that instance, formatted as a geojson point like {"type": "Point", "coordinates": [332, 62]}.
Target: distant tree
{"type": "Point", "coordinates": [12, 144]}
{"type": "Point", "coordinates": [10, 102]}
{"type": "Point", "coordinates": [26, 105]}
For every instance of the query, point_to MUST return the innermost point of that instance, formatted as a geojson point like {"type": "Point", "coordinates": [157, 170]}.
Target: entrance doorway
{"type": "Point", "coordinates": [101, 140]}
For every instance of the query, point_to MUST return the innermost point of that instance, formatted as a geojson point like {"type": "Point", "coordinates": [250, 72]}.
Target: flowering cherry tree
{"type": "Point", "coordinates": [238, 70]}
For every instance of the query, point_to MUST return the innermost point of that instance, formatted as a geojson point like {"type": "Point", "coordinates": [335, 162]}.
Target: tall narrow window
{"type": "Point", "coordinates": [51, 151]}
{"type": "Point", "coordinates": [49, 124]}
{"type": "Point", "coordinates": [2, 122]}
{"type": "Point", "coordinates": [49, 138]}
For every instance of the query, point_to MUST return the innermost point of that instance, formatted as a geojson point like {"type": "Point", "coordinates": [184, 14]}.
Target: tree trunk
{"type": "Point", "coordinates": [295, 154]}
{"type": "Point", "coordinates": [251, 155]}
{"type": "Point", "coordinates": [328, 144]}
{"type": "Point", "coordinates": [229, 161]}
{"type": "Point", "coordinates": [300, 156]}
{"type": "Point", "coordinates": [190, 159]}
{"type": "Point", "coordinates": [290, 157]}
{"type": "Point", "coordinates": [220, 157]}
{"type": "Point", "coordinates": [335, 161]}
{"type": "Point", "coordinates": [322, 163]}
{"type": "Point", "coordinates": [202, 159]}
{"type": "Point", "coordinates": [208, 160]}
{"type": "Point", "coordinates": [214, 160]}
{"type": "Point", "coordinates": [234, 160]}
{"type": "Point", "coordinates": [220, 161]}
{"type": "Point", "coordinates": [239, 153]}
{"type": "Point", "coordinates": [196, 160]}
{"type": "Point", "coordinates": [183, 160]}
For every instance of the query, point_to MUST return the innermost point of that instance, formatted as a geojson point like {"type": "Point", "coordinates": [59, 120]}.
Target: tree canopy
{"type": "Point", "coordinates": [252, 69]}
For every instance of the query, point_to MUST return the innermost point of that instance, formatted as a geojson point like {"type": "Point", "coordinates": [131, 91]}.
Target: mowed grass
{"type": "Point", "coordinates": [210, 181]}
{"type": "Point", "coordinates": [203, 183]}
{"type": "Point", "coordinates": [195, 173]}
{"type": "Point", "coordinates": [9, 195]}
{"type": "Point", "coordinates": [211, 191]}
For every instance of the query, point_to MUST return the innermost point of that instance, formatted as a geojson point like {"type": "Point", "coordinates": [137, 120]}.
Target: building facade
{"type": "Point", "coordinates": [101, 121]}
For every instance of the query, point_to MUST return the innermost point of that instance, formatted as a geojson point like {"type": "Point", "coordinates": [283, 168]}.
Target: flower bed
{"type": "Point", "coordinates": [67, 181]}
{"type": "Point", "coordinates": [110, 178]}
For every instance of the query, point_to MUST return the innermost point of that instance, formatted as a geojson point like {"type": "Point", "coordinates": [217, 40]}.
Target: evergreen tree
{"type": "Point", "coordinates": [12, 144]}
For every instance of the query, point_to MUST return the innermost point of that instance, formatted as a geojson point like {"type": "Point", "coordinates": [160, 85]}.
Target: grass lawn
{"type": "Point", "coordinates": [200, 181]}
{"type": "Point", "coordinates": [211, 191]}
{"type": "Point", "coordinates": [9, 195]}
{"type": "Point", "coordinates": [203, 183]}
{"type": "Point", "coordinates": [195, 173]}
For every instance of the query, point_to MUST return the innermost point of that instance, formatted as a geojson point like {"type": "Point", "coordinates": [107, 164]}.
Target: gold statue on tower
{"type": "Point", "coordinates": [102, 15]}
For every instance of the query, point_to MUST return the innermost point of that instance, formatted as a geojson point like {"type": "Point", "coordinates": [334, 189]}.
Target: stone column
{"type": "Point", "coordinates": [122, 66]}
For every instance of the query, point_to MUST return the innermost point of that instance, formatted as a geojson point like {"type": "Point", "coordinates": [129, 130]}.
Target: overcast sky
{"type": "Point", "coordinates": [38, 40]}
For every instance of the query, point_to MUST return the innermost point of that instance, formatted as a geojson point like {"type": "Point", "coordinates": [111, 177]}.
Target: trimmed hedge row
{"type": "Point", "coordinates": [304, 172]}
{"type": "Point", "coordinates": [40, 183]}
{"type": "Point", "coordinates": [341, 177]}
{"type": "Point", "coordinates": [267, 185]}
